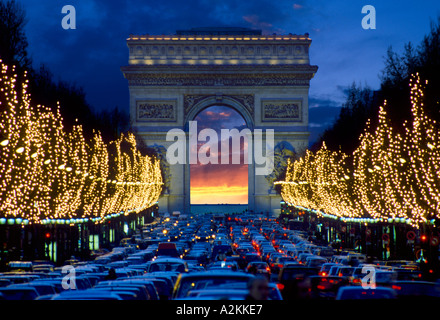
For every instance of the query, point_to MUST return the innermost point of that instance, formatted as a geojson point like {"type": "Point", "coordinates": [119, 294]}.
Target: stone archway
{"type": "Point", "coordinates": [266, 78]}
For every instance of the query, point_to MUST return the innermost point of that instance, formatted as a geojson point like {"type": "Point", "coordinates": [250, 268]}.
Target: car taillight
{"type": "Point", "coordinates": [280, 286]}
{"type": "Point", "coordinates": [267, 269]}
{"type": "Point", "coordinates": [280, 265]}
{"type": "Point", "coordinates": [396, 287]}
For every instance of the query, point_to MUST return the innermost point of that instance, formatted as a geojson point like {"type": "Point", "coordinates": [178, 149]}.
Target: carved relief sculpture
{"type": "Point", "coordinates": [281, 110]}
{"type": "Point", "coordinates": [156, 110]}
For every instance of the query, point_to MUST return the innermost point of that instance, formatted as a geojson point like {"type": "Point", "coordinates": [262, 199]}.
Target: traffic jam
{"type": "Point", "coordinates": [218, 257]}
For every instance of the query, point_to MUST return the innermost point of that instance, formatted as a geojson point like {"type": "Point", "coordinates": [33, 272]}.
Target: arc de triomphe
{"type": "Point", "coordinates": [266, 78]}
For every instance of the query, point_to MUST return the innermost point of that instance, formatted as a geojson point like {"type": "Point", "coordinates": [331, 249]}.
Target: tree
{"type": "Point", "coordinates": [13, 42]}
{"type": "Point", "coordinates": [424, 60]}
{"type": "Point", "coordinates": [359, 106]}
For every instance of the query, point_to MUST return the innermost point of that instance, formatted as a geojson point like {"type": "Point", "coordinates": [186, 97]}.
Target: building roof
{"type": "Point", "coordinates": [219, 31]}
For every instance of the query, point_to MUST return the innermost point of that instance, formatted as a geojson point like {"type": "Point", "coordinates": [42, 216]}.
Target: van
{"type": "Point", "coordinates": [167, 249]}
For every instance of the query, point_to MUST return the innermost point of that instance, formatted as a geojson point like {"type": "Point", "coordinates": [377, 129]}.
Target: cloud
{"type": "Point", "coordinates": [219, 194]}
{"type": "Point", "coordinates": [219, 183]}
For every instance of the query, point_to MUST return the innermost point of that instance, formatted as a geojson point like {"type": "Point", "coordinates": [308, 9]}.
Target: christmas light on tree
{"type": "Point", "coordinates": [394, 178]}
{"type": "Point", "coordinates": [48, 174]}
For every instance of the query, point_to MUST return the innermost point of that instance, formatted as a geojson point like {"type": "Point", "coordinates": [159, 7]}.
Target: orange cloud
{"type": "Point", "coordinates": [219, 184]}
{"type": "Point", "coordinates": [219, 194]}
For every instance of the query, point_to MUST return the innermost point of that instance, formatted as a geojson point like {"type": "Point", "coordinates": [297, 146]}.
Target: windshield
{"type": "Point", "coordinates": [290, 274]}
{"type": "Point", "coordinates": [201, 283]}
{"type": "Point", "coordinates": [167, 266]}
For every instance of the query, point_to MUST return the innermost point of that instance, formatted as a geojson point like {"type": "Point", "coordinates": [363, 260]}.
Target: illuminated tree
{"type": "Point", "coordinates": [395, 176]}
{"type": "Point", "coordinates": [48, 173]}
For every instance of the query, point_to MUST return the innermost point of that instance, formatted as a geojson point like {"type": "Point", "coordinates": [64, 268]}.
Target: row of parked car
{"type": "Point", "coordinates": [205, 257]}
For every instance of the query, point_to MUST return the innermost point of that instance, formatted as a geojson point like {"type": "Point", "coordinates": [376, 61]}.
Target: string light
{"type": "Point", "coordinates": [48, 175]}
{"type": "Point", "coordinates": [394, 176]}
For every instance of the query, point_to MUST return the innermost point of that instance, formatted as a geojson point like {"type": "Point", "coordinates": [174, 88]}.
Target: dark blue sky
{"type": "Point", "coordinates": [91, 55]}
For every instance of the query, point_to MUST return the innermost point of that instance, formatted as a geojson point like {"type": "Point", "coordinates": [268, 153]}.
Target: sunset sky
{"type": "Point", "coordinates": [219, 183]}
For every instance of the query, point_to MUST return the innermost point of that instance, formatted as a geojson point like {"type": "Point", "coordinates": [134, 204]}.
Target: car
{"type": "Point", "coordinates": [219, 294]}
{"type": "Point", "coordinates": [20, 293]}
{"type": "Point", "coordinates": [334, 270]}
{"type": "Point", "coordinates": [315, 261]}
{"type": "Point", "coordinates": [325, 268]}
{"type": "Point", "coordinates": [41, 287]}
{"type": "Point", "coordinates": [291, 277]}
{"type": "Point", "coordinates": [385, 277]}
{"type": "Point", "coordinates": [420, 290]}
{"type": "Point", "coordinates": [345, 271]}
{"type": "Point", "coordinates": [167, 249]}
{"type": "Point", "coordinates": [232, 265]}
{"type": "Point", "coordinates": [87, 295]}
{"type": "Point", "coordinates": [326, 287]}
{"type": "Point", "coordinates": [148, 284]}
{"type": "Point", "coordinates": [168, 264]}
{"type": "Point", "coordinates": [199, 280]}
{"type": "Point", "coordinates": [139, 290]}
{"type": "Point", "coordinates": [279, 262]}
{"type": "Point", "coordinates": [20, 266]}
{"type": "Point", "coordinates": [258, 267]}
{"type": "Point", "coordinates": [359, 293]}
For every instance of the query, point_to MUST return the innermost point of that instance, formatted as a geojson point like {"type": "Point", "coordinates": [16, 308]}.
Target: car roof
{"type": "Point", "coordinates": [208, 273]}
{"type": "Point", "coordinates": [167, 259]}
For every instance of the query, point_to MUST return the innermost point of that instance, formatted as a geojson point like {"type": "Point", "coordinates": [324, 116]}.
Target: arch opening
{"type": "Point", "coordinates": [217, 178]}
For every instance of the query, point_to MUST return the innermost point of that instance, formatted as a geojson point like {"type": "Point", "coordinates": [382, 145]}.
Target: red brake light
{"type": "Point", "coordinates": [320, 287]}
{"type": "Point", "coordinates": [280, 265]}
{"type": "Point", "coordinates": [280, 286]}
{"type": "Point", "coordinates": [396, 287]}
